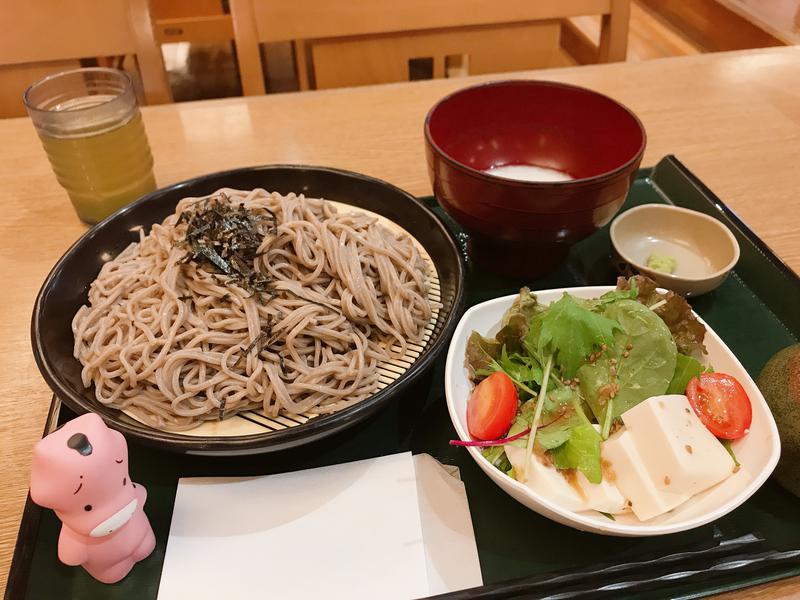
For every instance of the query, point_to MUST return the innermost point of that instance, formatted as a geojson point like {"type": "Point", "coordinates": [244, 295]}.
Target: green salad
{"type": "Point", "coordinates": [575, 366]}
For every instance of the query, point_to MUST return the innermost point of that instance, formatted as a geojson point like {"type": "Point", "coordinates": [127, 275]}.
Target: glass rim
{"type": "Point", "coordinates": [49, 78]}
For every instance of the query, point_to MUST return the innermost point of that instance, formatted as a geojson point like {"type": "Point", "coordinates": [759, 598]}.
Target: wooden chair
{"type": "Point", "coordinates": [354, 42]}
{"type": "Point", "coordinates": [195, 21]}
{"type": "Point", "coordinates": [45, 36]}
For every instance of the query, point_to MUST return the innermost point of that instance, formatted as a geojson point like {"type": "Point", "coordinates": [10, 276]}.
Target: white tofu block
{"type": "Point", "coordinates": [680, 454]}
{"type": "Point", "coordinates": [603, 496]}
{"type": "Point", "coordinates": [629, 473]}
{"type": "Point", "coordinates": [546, 481]}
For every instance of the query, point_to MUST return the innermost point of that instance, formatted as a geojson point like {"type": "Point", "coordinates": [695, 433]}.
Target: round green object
{"type": "Point", "coordinates": [779, 381]}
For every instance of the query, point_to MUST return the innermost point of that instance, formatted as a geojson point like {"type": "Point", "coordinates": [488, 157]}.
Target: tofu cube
{"type": "Point", "coordinates": [576, 493]}
{"type": "Point", "coordinates": [603, 496]}
{"type": "Point", "coordinates": [628, 472]}
{"type": "Point", "coordinates": [546, 481]}
{"type": "Point", "coordinates": [679, 453]}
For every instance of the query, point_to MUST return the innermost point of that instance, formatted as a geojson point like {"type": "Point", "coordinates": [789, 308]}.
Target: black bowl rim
{"type": "Point", "coordinates": [274, 440]}
{"type": "Point", "coordinates": [585, 181]}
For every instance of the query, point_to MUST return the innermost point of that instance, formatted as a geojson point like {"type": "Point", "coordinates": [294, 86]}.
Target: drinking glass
{"type": "Point", "coordinates": [92, 131]}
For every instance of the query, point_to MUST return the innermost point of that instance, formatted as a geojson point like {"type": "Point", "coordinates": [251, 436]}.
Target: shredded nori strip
{"type": "Point", "coordinates": [263, 340]}
{"type": "Point", "coordinates": [224, 239]}
{"type": "Point", "coordinates": [222, 408]}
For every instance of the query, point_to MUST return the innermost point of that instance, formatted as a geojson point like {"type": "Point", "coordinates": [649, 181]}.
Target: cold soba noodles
{"type": "Point", "coordinates": [247, 299]}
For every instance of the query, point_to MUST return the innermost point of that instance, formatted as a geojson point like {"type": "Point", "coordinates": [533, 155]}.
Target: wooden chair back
{"type": "Point", "coordinates": [45, 36]}
{"type": "Point", "coordinates": [193, 21]}
{"type": "Point", "coordinates": [260, 21]}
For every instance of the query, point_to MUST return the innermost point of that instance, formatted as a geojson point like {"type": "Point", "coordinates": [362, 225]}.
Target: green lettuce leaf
{"type": "Point", "coordinates": [558, 431]}
{"type": "Point", "coordinates": [520, 424]}
{"type": "Point", "coordinates": [481, 352]}
{"type": "Point", "coordinates": [599, 304]}
{"type": "Point", "coordinates": [638, 364]}
{"type": "Point", "coordinates": [557, 411]}
{"type": "Point", "coordinates": [516, 320]}
{"type": "Point", "coordinates": [686, 367]}
{"type": "Point", "coordinates": [569, 331]}
{"type": "Point", "coordinates": [565, 435]}
{"type": "Point", "coordinates": [564, 432]}
{"type": "Point", "coordinates": [497, 456]}
{"type": "Point", "coordinates": [520, 368]}
{"type": "Point", "coordinates": [557, 418]}
{"type": "Point", "coordinates": [557, 402]}
{"type": "Point", "coordinates": [581, 451]}
{"type": "Point", "coordinates": [676, 313]}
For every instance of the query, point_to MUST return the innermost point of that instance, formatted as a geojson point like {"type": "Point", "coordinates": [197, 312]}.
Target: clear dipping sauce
{"type": "Point", "coordinates": [689, 261]}
{"type": "Point", "coordinates": [528, 173]}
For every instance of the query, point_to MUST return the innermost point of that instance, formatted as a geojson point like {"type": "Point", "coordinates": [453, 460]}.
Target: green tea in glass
{"type": "Point", "coordinates": [92, 131]}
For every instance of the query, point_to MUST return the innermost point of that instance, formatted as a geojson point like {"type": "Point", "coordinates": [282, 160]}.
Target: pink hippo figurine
{"type": "Point", "coordinates": [81, 472]}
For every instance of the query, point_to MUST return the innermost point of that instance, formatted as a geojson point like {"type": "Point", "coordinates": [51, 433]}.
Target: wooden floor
{"type": "Point", "coordinates": [781, 18]}
{"type": "Point", "coordinates": [195, 72]}
{"type": "Point", "coordinates": [649, 36]}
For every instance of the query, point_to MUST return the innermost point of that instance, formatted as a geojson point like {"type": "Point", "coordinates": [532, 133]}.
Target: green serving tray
{"type": "Point", "coordinates": [756, 311]}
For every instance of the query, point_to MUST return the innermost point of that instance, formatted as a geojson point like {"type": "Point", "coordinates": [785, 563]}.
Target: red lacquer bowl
{"type": "Point", "coordinates": [521, 227]}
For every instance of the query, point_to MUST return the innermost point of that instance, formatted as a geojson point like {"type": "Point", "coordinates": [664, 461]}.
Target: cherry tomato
{"type": "Point", "coordinates": [491, 407]}
{"type": "Point", "coordinates": [721, 403]}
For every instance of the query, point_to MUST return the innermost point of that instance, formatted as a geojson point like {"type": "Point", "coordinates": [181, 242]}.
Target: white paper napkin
{"type": "Point", "coordinates": [451, 554]}
{"type": "Point", "coordinates": [391, 527]}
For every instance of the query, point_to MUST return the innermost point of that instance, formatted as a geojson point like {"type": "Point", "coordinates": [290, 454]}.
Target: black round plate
{"type": "Point", "coordinates": [67, 286]}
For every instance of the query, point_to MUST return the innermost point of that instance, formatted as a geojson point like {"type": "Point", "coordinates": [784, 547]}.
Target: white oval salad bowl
{"type": "Point", "coordinates": [758, 451]}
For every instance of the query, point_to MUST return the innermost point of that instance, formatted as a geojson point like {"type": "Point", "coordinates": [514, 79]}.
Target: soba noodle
{"type": "Point", "coordinates": [175, 344]}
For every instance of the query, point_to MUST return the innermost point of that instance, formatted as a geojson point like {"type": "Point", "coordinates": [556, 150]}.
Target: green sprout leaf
{"type": "Point", "coordinates": [569, 331]}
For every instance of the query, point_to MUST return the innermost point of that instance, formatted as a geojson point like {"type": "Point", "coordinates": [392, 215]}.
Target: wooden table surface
{"type": "Point", "coordinates": [732, 118]}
